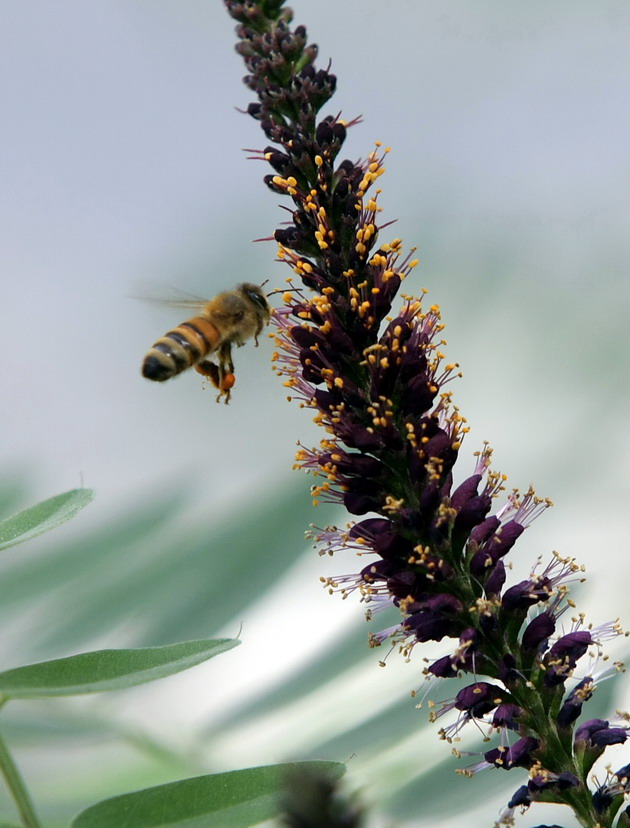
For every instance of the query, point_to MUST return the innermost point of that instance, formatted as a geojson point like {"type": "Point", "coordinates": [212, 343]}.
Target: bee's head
{"type": "Point", "coordinates": [258, 299]}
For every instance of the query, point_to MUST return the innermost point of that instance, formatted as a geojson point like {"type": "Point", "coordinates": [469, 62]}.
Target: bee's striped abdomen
{"type": "Point", "coordinates": [180, 348]}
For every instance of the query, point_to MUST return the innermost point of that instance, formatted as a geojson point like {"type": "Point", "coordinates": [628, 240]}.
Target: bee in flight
{"type": "Point", "coordinates": [231, 318]}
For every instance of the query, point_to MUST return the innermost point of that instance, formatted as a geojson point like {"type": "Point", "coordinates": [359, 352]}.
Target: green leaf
{"type": "Point", "coordinates": [44, 516]}
{"type": "Point", "coordinates": [107, 669]}
{"type": "Point", "coordinates": [232, 800]}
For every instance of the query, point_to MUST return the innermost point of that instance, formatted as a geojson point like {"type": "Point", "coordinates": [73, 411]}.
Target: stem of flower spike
{"type": "Point", "coordinates": [16, 786]}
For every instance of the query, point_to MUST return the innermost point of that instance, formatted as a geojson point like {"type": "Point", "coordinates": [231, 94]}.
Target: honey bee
{"type": "Point", "coordinates": [231, 318]}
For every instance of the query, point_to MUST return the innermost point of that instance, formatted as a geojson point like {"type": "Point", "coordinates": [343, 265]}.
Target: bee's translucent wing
{"type": "Point", "coordinates": [166, 296]}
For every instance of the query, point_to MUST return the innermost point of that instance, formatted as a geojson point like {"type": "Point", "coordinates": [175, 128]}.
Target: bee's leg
{"type": "Point", "coordinates": [226, 372]}
{"type": "Point", "coordinates": [225, 358]}
{"type": "Point", "coordinates": [217, 376]}
{"type": "Point", "coordinates": [226, 385]}
{"type": "Point", "coordinates": [209, 370]}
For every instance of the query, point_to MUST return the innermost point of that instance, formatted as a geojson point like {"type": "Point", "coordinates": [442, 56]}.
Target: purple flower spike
{"type": "Point", "coordinates": [433, 537]}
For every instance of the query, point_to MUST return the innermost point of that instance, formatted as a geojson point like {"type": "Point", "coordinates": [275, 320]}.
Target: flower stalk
{"type": "Point", "coordinates": [376, 380]}
{"type": "Point", "coordinates": [17, 788]}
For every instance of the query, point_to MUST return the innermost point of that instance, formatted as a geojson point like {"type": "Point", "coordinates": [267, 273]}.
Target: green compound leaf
{"type": "Point", "coordinates": [107, 669]}
{"type": "Point", "coordinates": [44, 516]}
{"type": "Point", "coordinates": [231, 800]}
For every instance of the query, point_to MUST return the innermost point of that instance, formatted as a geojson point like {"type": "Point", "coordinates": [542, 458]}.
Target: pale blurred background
{"type": "Point", "coordinates": [122, 164]}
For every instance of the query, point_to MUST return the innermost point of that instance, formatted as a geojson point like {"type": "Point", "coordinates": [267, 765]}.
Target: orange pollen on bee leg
{"type": "Point", "coordinates": [228, 382]}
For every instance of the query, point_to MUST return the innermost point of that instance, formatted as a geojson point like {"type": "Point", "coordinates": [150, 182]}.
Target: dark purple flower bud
{"type": "Point", "coordinates": [479, 698]}
{"type": "Point", "coordinates": [472, 513]}
{"type": "Point", "coordinates": [254, 109]}
{"type": "Point", "coordinates": [438, 445]}
{"type": "Point", "coordinates": [370, 528]}
{"type": "Point", "coordinates": [544, 781]}
{"type": "Point", "coordinates": [585, 732]}
{"type": "Point", "coordinates": [378, 571]}
{"type": "Point", "coordinates": [360, 504]}
{"type": "Point", "coordinates": [496, 579]}
{"type": "Point", "coordinates": [380, 534]}
{"type": "Point", "coordinates": [519, 755]}
{"type": "Point", "coordinates": [505, 716]}
{"type": "Point", "coordinates": [443, 668]}
{"type": "Point", "coordinates": [537, 632]}
{"type": "Point", "coordinates": [503, 540]}
{"type": "Point", "coordinates": [443, 603]}
{"type": "Point", "coordinates": [572, 705]}
{"type": "Point", "coordinates": [437, 616]}
{"type": "Point", "coordinates": [339, 340]}
{"type": "Point", "coordinates": [564, 654]}
{"type": "Point", "coordinates": [483, 531]}
{"type": "Point", "coordinates": [404, 583]}
{"type": "Point", "coordinates": [355, 464]}
{"type": "Point", "coordinates": [325, 400]}
{"type": "Point", "coordinates": [358, 436]}
{"type": "Point", "coordinates": [465, 491]}
{"type": "Point", "coordinates": [418, 394]}
{"type": "Point", "coordinates": [462, 658]}
{"type": "Point", "coordinates": [306, 337]}
{"type": "Point", "coordinates": [324, 133]}
{"type": "Point", "coordinates": [567, 780]}
{"type": "Point", "coordinates": [429, 627]}
{"type": "Point", "coordinates": [280, 161]}
{"type": "Point", "coordinates": [525, 594]}
{"type": "Point", "coordinates": [480, 564]}
{"type": "Point", "coordinates": [293, 238]}
{"type": "Point", "coordinates": [573, 645]}
{"type": "Point", "coordinates": [342, 188]}
{"type": "Point", "coordinates": [521, 798]}
{"type": "Point", "coordinates": [609, 736]}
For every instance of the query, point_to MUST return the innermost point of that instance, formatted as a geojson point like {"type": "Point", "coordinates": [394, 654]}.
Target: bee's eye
{"type": "Point", "coordinates": [257, 298]}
